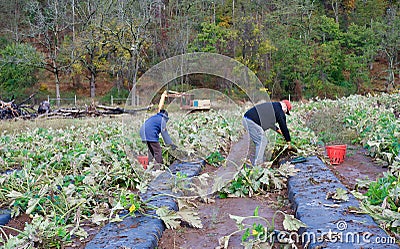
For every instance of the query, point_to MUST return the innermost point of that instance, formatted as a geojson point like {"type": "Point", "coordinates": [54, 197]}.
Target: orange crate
{"type": "Point", "coordinates": [336, 153]}
{"type": "Point", "coordinates": [144, 160]}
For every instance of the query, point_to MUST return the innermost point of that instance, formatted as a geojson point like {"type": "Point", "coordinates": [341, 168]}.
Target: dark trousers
{"type": "Point", "coordinates": [155, 151]}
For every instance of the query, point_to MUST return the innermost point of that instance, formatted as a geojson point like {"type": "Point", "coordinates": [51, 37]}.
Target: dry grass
{"type": "Point", "coordinates": [16, 126]}
{"type": "Point", "coordinates": [328, 125]}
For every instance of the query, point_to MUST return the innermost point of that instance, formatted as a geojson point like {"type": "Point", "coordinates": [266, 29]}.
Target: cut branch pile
{"type": "Point", "coordinates": [91, 111]}
{"type": "Point", "coordinates": [10, 110]}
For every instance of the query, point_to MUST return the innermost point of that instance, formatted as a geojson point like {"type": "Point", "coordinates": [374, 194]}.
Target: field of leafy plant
{"type": "Point", "coordinates": [87, 172]}
{"type": "Point", "coordinates": [369, 121]}
{"type": "Point", "coordinates": [374, 123]}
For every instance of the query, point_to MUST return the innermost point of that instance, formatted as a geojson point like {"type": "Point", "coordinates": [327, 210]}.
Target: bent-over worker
{"type": "Point", "coordinates": [262, 117]}
{"type": "Point", "coordinates": [150, 134]}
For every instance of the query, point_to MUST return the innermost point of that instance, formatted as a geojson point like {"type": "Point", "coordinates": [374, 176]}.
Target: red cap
{"type": "Point", "coordinates": [288, 105]}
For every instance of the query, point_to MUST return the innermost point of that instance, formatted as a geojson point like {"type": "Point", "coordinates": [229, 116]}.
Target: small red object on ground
{"type": "Point", "coordinates": [144, 160]}
{"type": "Point", "coordinates": [336, 153]}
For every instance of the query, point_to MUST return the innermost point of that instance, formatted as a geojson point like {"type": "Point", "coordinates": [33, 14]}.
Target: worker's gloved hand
{"type": "Point", "coordinates": [173, 146]}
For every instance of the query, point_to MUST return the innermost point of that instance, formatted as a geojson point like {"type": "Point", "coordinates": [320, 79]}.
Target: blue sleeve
{"type": "Point", "coordinates": [164, 132]}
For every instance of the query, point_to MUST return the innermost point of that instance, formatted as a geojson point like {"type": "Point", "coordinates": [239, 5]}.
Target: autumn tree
{"type": "Point", "coordinates": [93, 46]}
{"type": "Point", "coordinates": [49, 22]}
{"type": "Point", "coordinates": [129, 30]}
{"type": "Point", "coordinates": [389, 35]}
{"type": "Point", "coordinates": [13, 15]}
{"type": "Point", "coordinates": [290, 30]}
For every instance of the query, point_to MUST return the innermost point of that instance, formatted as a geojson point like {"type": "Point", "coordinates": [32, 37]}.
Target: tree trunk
{"type": "Point", "coordinates": [135, 63]}
{"type": "Point", "coordinates": [92, 85]}
{"type": "Point", "coordinates": [233, 24]}
{"type": "Point", "coordinates": [57, 86]}
{"type": "Point", "coordinates": [298, 90]}
{"type": "Point", "coordinates": [335, 10]}
{"type": "Point", "coordinates": [390, 70]}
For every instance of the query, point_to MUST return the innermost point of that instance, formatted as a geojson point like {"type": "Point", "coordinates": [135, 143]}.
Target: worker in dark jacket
{"type": "Point", "coordinates": [262, 117]}
{"type": "Point", "coordinates": [150, 134]}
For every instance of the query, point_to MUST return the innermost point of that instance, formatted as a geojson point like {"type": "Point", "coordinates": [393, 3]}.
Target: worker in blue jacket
{"type": "Point", "coordinates": [262, 117]}
{"type": "Point", "coordinates": [150, 134]}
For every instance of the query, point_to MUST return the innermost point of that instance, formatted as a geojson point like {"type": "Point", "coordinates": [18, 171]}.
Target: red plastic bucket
{"type": "Point", "coordinates": [336, 153]}
{"type": "Point", "coordinates": [144, 160]}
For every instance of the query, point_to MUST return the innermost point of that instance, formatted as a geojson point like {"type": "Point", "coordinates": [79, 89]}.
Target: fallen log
{"type": "Point", "coordinates": [119, 110]}
{"type": "Point", "coordinates": [92, 111]}
{"type": "Point", "coordinates": [133, 111]}
{"type": "Point", "coordinates": [10, 110]}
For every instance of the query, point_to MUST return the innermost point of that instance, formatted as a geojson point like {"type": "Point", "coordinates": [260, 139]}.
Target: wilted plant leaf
{"type": "Point", "coordinates": [187, 213]}
{"type": "Point", "coordinates": [290, 223]}
{"type": "Point", "coordinates": [14, 194]}
{"type": "Point", "coordinates": [2, 178]}
{"type": "Point", "coordinates": [80, 232]}
{"type": "Point", "coordinates": [394, 217]}
{"type": "Point", "coordinates": [32, 205]}
{"type": "Point", "coordinates": [116, 219]}
{"type": "Point", "coordinates": [287, 169]}
{"type": "Point", "coordinates": [191, 217]}
{"type": "Point", "coordinates": [358, 195]}
{"type": "Point", "coordinates": [98, 219]}
{"type": "Point", "coordinates": [339, 195]}
{"type": "Point", "coordinates": [224, 242]}
{"type": "Point", "coordinates": [279, 183]}
{"type": "Point", "coordinates": [170, 218]}
{"type": "Point", "coordinates": [265, 178]}
{"type": "Point", "coordinates": [219, 184]}
{"type": "Point", "coordinates": [239, 219]}
{"type": "Point", "coordinates": [363, 183]}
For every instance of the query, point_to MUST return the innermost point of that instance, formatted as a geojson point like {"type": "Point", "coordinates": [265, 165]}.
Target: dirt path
{"type": "Point", "coordinates": [216, 223]}
{"type": "Point", "coordinates": [215, 216]}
